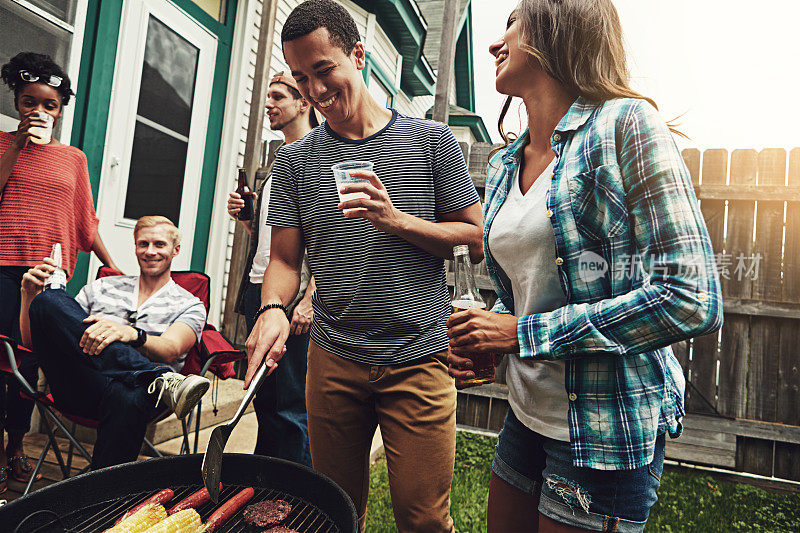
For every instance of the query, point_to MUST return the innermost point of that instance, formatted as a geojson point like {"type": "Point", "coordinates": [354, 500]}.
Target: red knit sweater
{"type": "Point", "coordinates": [47, 199]}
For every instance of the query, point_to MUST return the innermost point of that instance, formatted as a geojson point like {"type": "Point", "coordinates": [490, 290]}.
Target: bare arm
{"type": "Point", "coordinates": [464, 226]}
{"type": "Point", "coordinates": [281, 283]}
{"type": "Point", "coordinates": [102, 254]}
{"type": "Point", "coordinates": [32, 284]}
{"type": "Point", "coordinates": [165, 348]}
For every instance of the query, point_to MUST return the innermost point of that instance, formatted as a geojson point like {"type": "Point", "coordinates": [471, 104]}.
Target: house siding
{"type": "Point", "coordinates": [383, 53]}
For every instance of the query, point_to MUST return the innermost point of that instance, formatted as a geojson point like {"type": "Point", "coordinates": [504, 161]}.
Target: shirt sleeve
{"type": "Point", "coordinates": [682, 299]}
{"type": "Point", "coordinates": [86, 220]}
{"type": "Point", "coordinates": [194, 316]}
{"type": "Point", "coordinates": [284, 208]}
{"type": "Point", "coordinates": [453, 187]}
{"type": "Point", "coordinates": [84, 296]}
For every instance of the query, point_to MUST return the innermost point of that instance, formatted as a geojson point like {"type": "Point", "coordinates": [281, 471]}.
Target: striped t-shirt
{"type": "Point", "coordinates": [117, 298]}
{"type": "Point", "coordinates": [379, 299]}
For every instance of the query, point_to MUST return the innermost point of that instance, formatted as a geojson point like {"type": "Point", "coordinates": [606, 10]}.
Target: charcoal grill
{"type": "Point", "coordinates": [93, 501]}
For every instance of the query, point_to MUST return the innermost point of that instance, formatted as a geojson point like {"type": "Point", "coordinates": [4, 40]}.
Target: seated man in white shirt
{"type": "Point", "coordinates": [113, 352]}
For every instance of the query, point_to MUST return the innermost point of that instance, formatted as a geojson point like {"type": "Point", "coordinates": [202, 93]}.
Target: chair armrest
{"type": "Point", "coordinates": [214, 345]}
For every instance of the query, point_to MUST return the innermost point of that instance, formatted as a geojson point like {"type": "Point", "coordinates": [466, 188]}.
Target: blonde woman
{"type": "Point", "coordinates": [600, 258]}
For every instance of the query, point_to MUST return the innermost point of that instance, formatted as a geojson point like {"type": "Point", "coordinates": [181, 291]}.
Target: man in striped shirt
{"type": "Point", "coordinates": [378, 343]}
{"type": "Point", "coordinates": [114, 352]}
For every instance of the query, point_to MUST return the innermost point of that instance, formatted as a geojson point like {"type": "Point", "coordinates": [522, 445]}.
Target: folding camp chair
{"type": "Point", "coordinates": [213, 353]}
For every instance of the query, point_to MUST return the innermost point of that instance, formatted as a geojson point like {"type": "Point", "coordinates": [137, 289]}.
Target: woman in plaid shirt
{"type": "Point", "coordinates": [601, 260]}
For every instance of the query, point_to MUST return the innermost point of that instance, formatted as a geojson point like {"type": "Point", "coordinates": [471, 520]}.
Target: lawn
{"type": "Point", "coordinates": [689, 501]}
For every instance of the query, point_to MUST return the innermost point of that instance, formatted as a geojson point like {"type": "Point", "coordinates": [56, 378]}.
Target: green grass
{"type": "Point", "coordinates": [688, 501]}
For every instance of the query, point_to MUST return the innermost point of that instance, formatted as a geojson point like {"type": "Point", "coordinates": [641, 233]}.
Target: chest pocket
{"type": "Point", "coordinates": [597, 198]}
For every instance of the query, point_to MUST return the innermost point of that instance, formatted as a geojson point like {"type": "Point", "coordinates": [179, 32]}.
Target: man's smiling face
{"type": "Point", "coordinates": [326, 76]}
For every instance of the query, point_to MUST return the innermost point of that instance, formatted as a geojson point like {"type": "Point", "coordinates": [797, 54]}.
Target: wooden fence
{"type": "Point", "coordinates": [743, 383]}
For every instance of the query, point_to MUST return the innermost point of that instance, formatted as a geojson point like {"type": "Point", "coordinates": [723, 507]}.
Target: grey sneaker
{"type": "Point", "coordinates": [181, 393]}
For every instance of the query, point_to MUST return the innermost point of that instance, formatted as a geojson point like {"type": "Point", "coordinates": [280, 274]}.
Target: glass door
{"type": "Point", "coordinates": [157, 125]}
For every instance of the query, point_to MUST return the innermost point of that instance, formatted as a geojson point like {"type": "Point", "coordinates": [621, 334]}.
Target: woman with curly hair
{"type": "Point", "coordinates": [601, 260]}
{"type": "Point", "coordinates": [45, 198]}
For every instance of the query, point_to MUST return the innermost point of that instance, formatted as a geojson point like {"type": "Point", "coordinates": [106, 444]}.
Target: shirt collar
{"type": "Point", "coordinates": [577, 115]}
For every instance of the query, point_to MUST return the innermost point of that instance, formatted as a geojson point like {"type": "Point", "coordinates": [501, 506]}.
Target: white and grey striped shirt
{"type": "Point", "coordinates": [117, 298]}
{"type": "Point", "coordinates": [379, 298]}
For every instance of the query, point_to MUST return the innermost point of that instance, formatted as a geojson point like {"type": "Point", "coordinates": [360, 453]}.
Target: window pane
{"type": "Point", "coordinates": [168, 78]}
{"type": "Point", "coordinates": [23, 31]}
{"type": "Point", "coordinates": [62, 9]}
{"type": "Point", "coordinates": [155, 182]}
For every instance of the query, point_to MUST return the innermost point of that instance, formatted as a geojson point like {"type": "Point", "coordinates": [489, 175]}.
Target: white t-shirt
{"type": "Point", "coordinates": [261, 258]}
{"type": "Point", "coordinates": [522, 242]}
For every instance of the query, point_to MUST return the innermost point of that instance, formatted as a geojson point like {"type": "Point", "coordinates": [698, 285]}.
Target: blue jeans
{"type": "Point", "coordinates": [280, 403]}
{"type": "Point", "coordinates": [598, 500]}
{"type": "Point", "coordinates": [15, 411]}
{"type": "Point", "coordinates": [110, 387]}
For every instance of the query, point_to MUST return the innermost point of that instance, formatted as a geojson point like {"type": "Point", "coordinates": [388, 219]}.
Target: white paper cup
{"type": "Point", "coordinates": [42, 135]}
{"type": "Point", "coordinates": [342, 173]}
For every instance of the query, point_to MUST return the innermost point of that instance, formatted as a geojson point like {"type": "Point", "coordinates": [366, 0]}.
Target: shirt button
{"type": "Point", "coordinates": [548, 213]}
{"type": "Point", "coordinates": [573, 396]}
{"type": "Point", "coordinates": [556, 137]}
{"type": "Point", "coordinates": [559, 261]}
{"type": "Point", "coordinates": [702, 297]}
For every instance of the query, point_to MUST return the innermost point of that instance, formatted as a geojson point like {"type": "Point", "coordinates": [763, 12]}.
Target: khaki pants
{"type": "Point", "coordinates": [414, 404]}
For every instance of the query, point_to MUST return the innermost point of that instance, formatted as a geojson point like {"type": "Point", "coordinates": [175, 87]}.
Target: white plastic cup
{"type": "Point", "coordinates": [342, 173]}
{"type": "Point", "coordinates": [42, 135]}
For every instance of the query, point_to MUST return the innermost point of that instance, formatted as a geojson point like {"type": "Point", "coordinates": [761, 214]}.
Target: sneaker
{"type": "Point", "coordinates": [181, 393]}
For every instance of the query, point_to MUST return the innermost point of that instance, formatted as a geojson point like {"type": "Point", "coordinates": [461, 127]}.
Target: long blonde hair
{"type": "Point", "coordinates": [578, 43]}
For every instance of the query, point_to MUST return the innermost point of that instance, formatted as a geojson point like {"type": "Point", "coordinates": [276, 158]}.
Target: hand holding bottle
{"type": "Point", "coordinates": [34, 279]}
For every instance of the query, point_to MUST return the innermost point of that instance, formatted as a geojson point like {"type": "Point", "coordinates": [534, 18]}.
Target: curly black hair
{"type": "Point", "coordinates": [328, 14]}
{"type": "Point", "coordinates": [39, 65]}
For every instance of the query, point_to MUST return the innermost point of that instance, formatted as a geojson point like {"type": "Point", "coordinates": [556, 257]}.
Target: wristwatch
{"type": "Point", "coordinates": [140, 340]}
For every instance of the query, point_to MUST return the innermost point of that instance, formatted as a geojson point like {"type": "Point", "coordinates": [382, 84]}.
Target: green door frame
{"type": "Point", "coordinates": [93, 102]}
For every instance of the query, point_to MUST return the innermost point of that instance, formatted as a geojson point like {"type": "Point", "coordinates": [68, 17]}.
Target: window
{"type": "Point", "coordinates": [380, 93]}
{"type": "Point", "coordinates": [42, 26]}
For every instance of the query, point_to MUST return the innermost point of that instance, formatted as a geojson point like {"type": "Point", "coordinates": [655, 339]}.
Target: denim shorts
{"type": "Point", "coordinates": [597, 500]}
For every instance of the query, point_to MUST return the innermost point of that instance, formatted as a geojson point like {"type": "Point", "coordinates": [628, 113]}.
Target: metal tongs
{"type": "Point", "coordinates": [212, 460]}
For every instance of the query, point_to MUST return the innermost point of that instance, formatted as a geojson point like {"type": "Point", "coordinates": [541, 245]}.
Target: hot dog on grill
{"type": "Point", "coordinates": [193, 501]}
{"type": "Point", "coordinates": [229, 508]}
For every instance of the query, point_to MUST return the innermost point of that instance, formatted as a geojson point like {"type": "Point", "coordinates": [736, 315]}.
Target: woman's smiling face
{"type": "Point", "coordinates": [513, 65]}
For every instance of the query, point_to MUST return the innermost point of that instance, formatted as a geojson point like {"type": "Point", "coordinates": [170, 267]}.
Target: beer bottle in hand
{"type": "Point", "coordinates": [58, 279]}
{"type": "Point", "coordinates": [467, 296]}
{"type": "Point", "coordinates": [243, 190]}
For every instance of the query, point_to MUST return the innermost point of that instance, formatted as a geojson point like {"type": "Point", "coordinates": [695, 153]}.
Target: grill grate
{"type": "Point", "coordinates": [305, 517]}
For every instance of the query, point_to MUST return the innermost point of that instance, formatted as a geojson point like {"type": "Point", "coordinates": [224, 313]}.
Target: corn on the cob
{"type": "Point", "coordinates": [147, 516]}
{"type": "Point", "coordinates": [186, 521]}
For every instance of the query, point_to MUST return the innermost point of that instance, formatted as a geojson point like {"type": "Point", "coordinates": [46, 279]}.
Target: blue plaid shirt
{"type": "Point", "coordinates": [637, 268]}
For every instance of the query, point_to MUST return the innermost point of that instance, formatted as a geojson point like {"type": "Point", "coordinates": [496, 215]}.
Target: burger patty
{"type": "Point", "coordinates": [267, 513]}
{"type": "Point", "coordinates": [280, 529]}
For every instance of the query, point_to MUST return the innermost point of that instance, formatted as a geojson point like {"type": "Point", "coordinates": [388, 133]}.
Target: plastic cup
{"type": "Point", "coordinates": [42, 135]}
{"type": "Point", "coordinates": [342, 173]}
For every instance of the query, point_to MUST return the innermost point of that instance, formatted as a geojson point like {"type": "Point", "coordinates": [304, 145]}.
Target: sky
{"type": "Point", "coordinates": [729, 69]}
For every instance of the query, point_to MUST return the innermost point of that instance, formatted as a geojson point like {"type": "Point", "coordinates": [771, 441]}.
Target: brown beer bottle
{"type": "Point", "coordinates": [243, 190]}
{"type": "Point", "coordinates": [466, 296]}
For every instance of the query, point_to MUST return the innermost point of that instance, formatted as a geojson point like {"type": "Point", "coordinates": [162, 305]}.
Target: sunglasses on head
{"type": "Point", "coordinates": [52, 81]}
